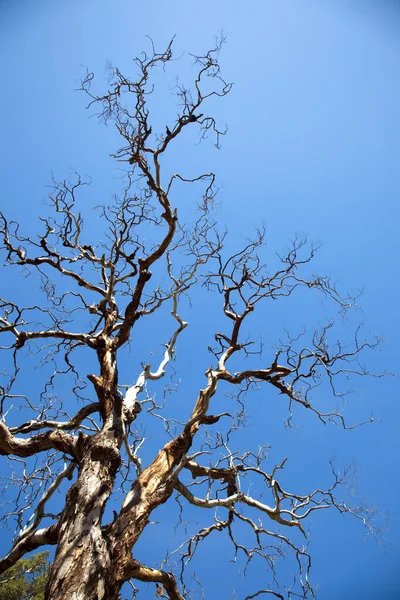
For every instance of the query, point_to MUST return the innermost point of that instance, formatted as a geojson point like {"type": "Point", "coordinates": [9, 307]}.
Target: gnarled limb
{"type": "Point", "coordinates": [35, 540]}
{"type": "Point", "coordinates": [73, 423]}
{"type": "Point", "coordinates": [168, 586]}
{"type": "Point", "coordinates": [59, 440]}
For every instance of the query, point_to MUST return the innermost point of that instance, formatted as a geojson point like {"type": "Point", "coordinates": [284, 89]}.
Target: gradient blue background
{"type": "Point", "coordinates": [313, 148]}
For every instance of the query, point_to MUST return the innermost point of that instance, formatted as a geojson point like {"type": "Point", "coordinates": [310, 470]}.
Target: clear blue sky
{"type": "Point", "coordinates": [313, 148]}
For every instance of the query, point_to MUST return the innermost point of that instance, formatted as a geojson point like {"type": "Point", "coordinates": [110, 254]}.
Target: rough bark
{"type": "Point", "coordinates": [83, 567]}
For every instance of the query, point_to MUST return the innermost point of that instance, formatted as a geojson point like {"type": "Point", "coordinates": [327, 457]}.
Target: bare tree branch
{"type": "Point", "coordinates": [39, 538]}
{"type": "Point", "coordinates": [58, 440]}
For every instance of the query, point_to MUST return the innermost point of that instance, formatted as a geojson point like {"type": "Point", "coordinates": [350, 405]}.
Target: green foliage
{"type": "Point", "coordinates": [26, 580]}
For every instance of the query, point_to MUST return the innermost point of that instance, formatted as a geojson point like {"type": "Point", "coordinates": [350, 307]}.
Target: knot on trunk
{"type": "Point", "coordinates": [101, 447]}
{"type": "Point", "coordinates": [131, 412]}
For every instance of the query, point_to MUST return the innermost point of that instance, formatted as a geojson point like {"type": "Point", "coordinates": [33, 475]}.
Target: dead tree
{"type": "Point", "coordinates": [94, 296]}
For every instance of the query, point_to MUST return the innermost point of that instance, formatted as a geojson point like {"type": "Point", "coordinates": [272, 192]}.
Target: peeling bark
{"type": "Point", "coordinates": [83, 568]}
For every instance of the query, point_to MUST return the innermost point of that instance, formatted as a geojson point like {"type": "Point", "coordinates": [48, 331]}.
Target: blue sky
{"type": "Point", "coordinates": [312, 148]}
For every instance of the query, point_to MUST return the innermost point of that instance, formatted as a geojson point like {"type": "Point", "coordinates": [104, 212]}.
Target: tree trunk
{"type": "Point", "coordinates": [83, 569]}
